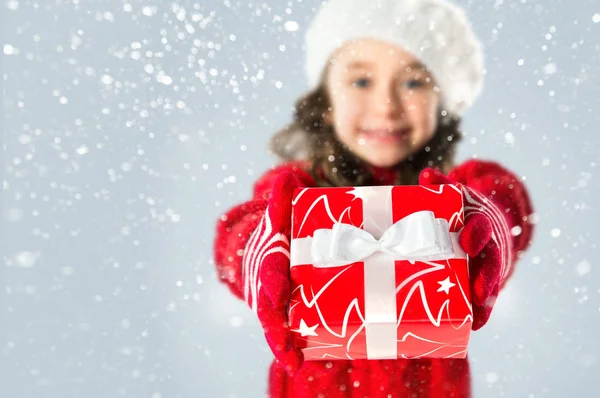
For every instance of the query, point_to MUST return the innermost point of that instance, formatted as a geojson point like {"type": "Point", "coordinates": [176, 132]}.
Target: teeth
{"type": "Point", "coordinates": [385, 132]}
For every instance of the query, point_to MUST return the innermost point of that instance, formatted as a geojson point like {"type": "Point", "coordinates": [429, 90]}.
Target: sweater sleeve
{"type": "Point", "coordinates": [235, 226]}
{"type": "Point", "coordinates": [509, 194]}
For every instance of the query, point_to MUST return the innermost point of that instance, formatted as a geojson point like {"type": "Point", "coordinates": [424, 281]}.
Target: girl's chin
{"type": "Point", "coordinates": [383, 161]}
{"type": "Point", "coordinates": [382, 158]}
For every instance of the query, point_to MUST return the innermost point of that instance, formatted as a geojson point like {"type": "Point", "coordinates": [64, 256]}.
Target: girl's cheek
{"type": "Point", "coordinates": [423, 104]}
{"type": "Point", "coordinates": [352, 113]}
{"type": "Point", "coordinates": [348, 104]}
{"type": "Point", "coordinates": [357, 100]}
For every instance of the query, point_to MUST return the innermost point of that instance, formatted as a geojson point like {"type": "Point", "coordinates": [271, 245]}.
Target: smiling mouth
{"type": "Point", "coordinates": [385, 135]}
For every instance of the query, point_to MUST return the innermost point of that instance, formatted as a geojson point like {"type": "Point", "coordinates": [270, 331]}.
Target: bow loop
{"type": "Point", "coordinates": [416, 237]}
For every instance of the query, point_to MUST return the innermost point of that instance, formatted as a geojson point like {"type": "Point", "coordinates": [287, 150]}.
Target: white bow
{"type": "Point", "coordinates": [417, 237]}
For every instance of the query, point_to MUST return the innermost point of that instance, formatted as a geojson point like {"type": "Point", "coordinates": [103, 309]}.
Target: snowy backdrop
{"type": "Point", "coordinates": [129, 126]}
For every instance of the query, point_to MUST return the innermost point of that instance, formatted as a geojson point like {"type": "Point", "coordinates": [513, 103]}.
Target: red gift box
{"type": "Point", "coordinates": [377, 273]}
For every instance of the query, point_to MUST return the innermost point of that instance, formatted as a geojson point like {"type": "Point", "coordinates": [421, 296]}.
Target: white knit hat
{"type": "Point", "coordinates": [435, 31]}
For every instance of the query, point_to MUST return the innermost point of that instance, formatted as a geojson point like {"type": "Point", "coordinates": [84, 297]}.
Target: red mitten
{"type": "Point", "coordinates": [486, 239]}
{"type": "Point", "coordinates": [266, 271]}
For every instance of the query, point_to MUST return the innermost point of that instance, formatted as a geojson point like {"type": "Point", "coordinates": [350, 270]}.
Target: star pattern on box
{"type": "Point", "coordinates": [362, 192]}
{"type": "Point", "coordinates": [305, 330]}
{"type": "Point", "coordinates": [445, 285]}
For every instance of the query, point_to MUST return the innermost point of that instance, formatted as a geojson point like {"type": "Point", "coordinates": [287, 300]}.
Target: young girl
{"type": "Point", "coordinates": [390, 79]}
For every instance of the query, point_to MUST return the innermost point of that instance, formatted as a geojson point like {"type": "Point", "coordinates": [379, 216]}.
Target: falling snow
{"type": "Point", "coordinates": [291, 26]}
{"type": "Point", "coordinates": [132, 126]}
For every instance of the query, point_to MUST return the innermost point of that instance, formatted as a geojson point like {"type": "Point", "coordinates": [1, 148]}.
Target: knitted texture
{"type": "Point", "coordinates": [486, 239]}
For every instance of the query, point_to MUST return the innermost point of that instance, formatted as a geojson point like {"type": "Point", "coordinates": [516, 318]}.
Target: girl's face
{"type": "Point", "coordinates": [383, 103]}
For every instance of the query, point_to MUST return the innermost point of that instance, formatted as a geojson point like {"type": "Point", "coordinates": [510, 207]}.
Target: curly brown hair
{"type": "Point", "coordinates": [309, 137]}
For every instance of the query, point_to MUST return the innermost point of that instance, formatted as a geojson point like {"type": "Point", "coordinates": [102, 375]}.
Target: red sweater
{"type": "Point", "coordinates": [422, 378]}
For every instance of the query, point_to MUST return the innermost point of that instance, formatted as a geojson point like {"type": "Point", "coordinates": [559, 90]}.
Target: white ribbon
{"type": "Point", "coordinates": [416, 237]}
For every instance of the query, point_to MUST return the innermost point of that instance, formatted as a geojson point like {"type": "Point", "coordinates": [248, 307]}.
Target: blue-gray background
{"type": "Point", "coordinates": [130, 126]}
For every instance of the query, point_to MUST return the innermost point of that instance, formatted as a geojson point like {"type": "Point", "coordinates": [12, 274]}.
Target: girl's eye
{"type": "Point", "coordinates": [414, 83]}
{"type": "Point", "coordinates": [362, 83]}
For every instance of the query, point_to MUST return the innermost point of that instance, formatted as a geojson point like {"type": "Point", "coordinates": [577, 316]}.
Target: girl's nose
{"type": "Point", "coordinates": [389, 104]}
